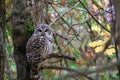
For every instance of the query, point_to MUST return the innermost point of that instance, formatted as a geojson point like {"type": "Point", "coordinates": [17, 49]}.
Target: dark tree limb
{"type": "Point", "coordinates": [53, 55]}
{"type": "Point", "coordinates": [116, 33]}
{"type": "Point", "coordinates": [2, 38]}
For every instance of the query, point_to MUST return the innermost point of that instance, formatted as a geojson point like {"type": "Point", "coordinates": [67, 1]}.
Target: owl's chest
{"type": "Point", "coordinates": [46, 45]}
{"type": "Point", "coordinates": [48, 48]}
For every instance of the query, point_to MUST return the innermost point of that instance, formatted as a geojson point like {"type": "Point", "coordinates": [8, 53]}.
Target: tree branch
{"type": "Point", "coordinates": [53, 55]}
{"type": "Point", "coordinates": [82, 72]}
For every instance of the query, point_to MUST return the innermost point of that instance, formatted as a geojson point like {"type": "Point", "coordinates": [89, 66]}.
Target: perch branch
{"type": "Point", "coordinates": [53, 55]}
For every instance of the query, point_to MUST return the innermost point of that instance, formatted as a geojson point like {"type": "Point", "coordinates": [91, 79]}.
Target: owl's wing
{"type": "Point", "coordinates": [33, 48]}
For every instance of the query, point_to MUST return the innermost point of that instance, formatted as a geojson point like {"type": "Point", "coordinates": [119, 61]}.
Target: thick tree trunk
{"type": "Point", "coordinates": [117, 21]}
{"type": "Point", "coordinates": [2, 38]}
{"type": "Point", "coordinates": [20, 33]}
{"type": "Point", "coordinates": [20, 36]}
{"type": "Point", "coordinates": [117, 31]}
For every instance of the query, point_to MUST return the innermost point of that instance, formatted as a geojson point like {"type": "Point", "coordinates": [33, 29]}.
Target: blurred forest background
{"type": "Point", "coordinates": [85, 44]}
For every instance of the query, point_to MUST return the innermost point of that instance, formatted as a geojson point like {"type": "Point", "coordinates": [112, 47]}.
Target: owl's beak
{"type": "Point", "coordinates": [43, 34]}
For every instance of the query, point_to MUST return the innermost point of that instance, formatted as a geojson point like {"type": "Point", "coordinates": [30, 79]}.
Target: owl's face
{"type": "Point", "coordinates": [43, 30]}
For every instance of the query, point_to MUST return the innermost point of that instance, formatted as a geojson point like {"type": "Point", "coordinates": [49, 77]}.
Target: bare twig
{"type": "Point", "coordinates": [63, 18]}
{"type": "Point", "coordinates": [59, 48]}
{"type": "Point", "coordinates": [91, 31]}
{"type": "Point", "coordinates": [57, 44]}
{"type": "Point", "coordinates": [96, 3]}
{"type": "Point", "coordinates": [56, 33]}
{"type": "Point", "coordinates": [93, 16]}
{"type": "Point", "coordinates": [64, 14]}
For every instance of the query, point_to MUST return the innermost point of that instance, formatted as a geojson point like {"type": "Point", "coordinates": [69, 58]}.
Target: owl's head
{"type": "Point", "coordinates": [43, 30]}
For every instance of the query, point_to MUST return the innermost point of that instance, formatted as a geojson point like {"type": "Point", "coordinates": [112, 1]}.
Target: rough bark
{"type": "Point", "coordinates": [39, 11]}
{"type": "Point", "coordinates": [117, 21]}
{"type": "Point", "coordinates": [20, 35]}
{"type": "Point", "coordinates": [116, 32]}
{"type": "Point", "coordinates": [2, 38]}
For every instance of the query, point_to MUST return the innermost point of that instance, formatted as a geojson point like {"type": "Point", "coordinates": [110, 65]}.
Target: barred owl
{"type": "Point", "coordinates": [39, 45]}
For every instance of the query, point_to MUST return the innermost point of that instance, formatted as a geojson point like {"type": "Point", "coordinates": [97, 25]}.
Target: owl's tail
{"type": "Point", "coordinates": [34, 72]}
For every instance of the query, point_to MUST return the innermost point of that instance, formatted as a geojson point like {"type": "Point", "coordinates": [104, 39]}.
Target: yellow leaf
{"type": "Point", "coordinates": [96, 28]}
{"type": "Point", "coordinates": [96, 43]}
{"type": "Point", "coordinates": [108, 26]}
{"type": "Point", "coordinates": [99, 49]}
{"type": "Point", "coordinates": [110, 51]}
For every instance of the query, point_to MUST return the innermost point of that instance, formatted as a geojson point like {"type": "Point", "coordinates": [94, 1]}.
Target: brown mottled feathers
{"type": "Point", "coordinates": [39, 45]}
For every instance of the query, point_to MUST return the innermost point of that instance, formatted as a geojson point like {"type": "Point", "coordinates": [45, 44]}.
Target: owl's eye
{"type": "Point", "coordinates": [40, 30]}
{"type": "Point", "coordinates": [46, 30]}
